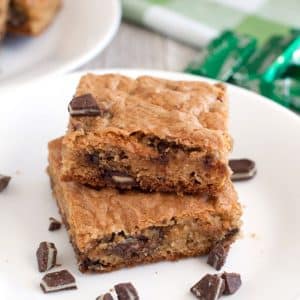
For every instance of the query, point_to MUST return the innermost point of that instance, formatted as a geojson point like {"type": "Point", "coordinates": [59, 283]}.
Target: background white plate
{"type": "Point", "coordinates": [80, 31]}
{"type": "Point", "coordinates": [268, 255]}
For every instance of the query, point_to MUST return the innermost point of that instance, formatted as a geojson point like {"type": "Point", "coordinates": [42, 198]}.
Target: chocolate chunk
{"type": "Point", "coordinates": [210, 287]}
{"type": "Point", "coordinates": [54, 224]}
{"type": "Point", "coordinates": [232, 282]}
{"type": "Point", "coordinates": [4, 181]}
{"type": "Point", "coordinates": [58, 281]}
{"type": "Point", "coordinates": [93, 158]}
{"type": "Point", "coordinates": [243, 169]}
{"type": "Point", "coordinates": [130, 247]}
{"type": "Point", "coordinates": [217, 256]}
{"type": "Point", "coordinates": [17, 17]}
{"type": "Point", "coordinates": [84, 105]}
{"type": "Point", "coordinates": [208, 161]}
{"type": "Point", "coordinates": [46, 256]}
{"type": "Point", "coordinates": [126, 291]}
{"type": "Point", "coordinates": [106, 296]}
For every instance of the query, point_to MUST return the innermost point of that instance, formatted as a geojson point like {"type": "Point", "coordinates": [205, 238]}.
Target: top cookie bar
{"type": "Point", "coordinates": [147, 133]}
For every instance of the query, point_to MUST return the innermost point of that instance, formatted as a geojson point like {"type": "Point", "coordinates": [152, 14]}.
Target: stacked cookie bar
{"type": "Point", "coordinates": [142, 173]}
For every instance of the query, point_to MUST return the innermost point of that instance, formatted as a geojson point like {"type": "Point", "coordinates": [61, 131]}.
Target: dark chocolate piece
{"type": "Point", "coordinates": [84, 105]}
{"type": "Point", "coordinates": [46, 256]}
{"type": "Point", "coordinates": [232, 282]}
{"type": "Point", "coordinates": [4, 181]}
{"type": "Point", "coordinates": [217, 256]}
{"type": "Point", "coordinates": [126, 291]}
{"type": "Point", "coordinates": [54, 224]}
{"type": "Point", "coordinates": [58, 281]}
{"type": "Point", "coordinates": [17, 17]}
{"type": "Point", "coordinates": [210, 287]}
{"type": "Point", "coordinates": [243, 169]}
{"type": "Point", "coordinates": [106, 296]}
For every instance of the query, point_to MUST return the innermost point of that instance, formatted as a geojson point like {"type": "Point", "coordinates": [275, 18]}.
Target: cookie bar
{"type": "Point", "coordinates": [31, 17]}
{"type": "Point", "coordinates": [147, 133]}
{"type": "Point", "coordinates": [110, 229]}
{"type": "Point", "coordinates": [3, 17]}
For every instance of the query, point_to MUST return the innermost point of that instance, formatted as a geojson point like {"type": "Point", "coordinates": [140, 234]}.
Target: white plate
{"type": "Point", "coordinates": [80, 31]}
{"type": "Point", "coordinates": [268, 255]}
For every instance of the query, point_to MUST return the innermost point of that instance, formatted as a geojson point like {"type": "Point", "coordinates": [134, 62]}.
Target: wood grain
{"type": "Point", "coordinates": [136, 47]}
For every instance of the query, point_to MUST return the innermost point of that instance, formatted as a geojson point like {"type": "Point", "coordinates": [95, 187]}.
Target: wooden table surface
{"type": "Point", "coordinates": [137, 47]}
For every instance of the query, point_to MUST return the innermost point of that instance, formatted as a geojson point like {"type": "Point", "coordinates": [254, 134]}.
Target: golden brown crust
{"type": "Point", "coordinates": [34, 15]}
{"type": "Point", "coordinates": [94, 214]}
{"type": "Point", "coordinates": [190, 115]}
{"type": "Point", "coordinates": [183, 111]}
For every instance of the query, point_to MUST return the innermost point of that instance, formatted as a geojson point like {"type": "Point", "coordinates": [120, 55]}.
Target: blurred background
{"type": "Point", "coordinates": [254, 44]}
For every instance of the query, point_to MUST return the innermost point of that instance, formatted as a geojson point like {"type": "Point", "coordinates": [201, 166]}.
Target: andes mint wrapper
{"type": "Point", "coordinates": [271, 61]}
{"type": "Point", "coordinates": [223, 56]}
{"type": "Point", "coordinates": [286, 90]}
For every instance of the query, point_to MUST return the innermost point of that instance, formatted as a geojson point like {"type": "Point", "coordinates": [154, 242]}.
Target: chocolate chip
{"type": "Point", "coordinates": [129, 248]}
{"type": "Point", "coordinates": [93, 158]}
{"type": "Point", "coordinates": [210, 287]}
{"type": "Point", "coordinates": [163, 147]}
{"type": "Point", "coordinates": [243, 169]}
{"type": "Point", "coordinates": [208, 161]}
{"type": "Point", "coordinates": [232, 282]}
{"type": "Point", "coordinates": [46, 256]}
{"type": "Point", "coordinates": [58, 281]}
{"type": "Point", "coordinates": [217, 256]}
{"type": "Point", "coordinates": [17, 17]}
{"type": "Point", "coordinates": [126, 291]}
{"type": "Point", "coordinates": [84, 105]}
{"type": "Point", "coordinates": [106, 296]}
{"type": "Point", "coordinates": [54, 224]}
{"type": "Point", "coordinates": [4, 181]}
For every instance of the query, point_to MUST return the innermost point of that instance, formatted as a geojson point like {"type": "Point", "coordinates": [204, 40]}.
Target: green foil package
{"type": "Point", "coordinates": [223, 56]}
{"type": "Point", "coordinates": [270, 61]}
{"type": "Point", "coordinates": [272, 70]}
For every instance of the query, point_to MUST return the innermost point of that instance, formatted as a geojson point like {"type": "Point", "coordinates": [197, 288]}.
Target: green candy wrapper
{"type": "Point", "coordinates": [223, 56]}
{"type": "Point", "coordinates": [285, 91]}
{"type": "Point", "coordinates": [271, 61]}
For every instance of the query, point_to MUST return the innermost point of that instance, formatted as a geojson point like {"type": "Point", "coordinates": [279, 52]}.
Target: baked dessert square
{"type": "Point", "coordinates": [111, 229]}
{"type": "Point", "coordinates": [147, 133]}
{"type": "Point", "coordinates": [3, 17]}
{"type": "Point", "coordinates": [31, 17]}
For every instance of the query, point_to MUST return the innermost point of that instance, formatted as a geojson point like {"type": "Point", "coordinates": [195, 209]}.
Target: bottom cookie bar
{"type": "Point", "coordinates": [110, 230]}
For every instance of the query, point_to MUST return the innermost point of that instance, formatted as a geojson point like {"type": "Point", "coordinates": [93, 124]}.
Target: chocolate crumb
{"type": "Point", "coordinates": [217, 256]}
{"type": "Point", "coordinates": [210, 287]}
{"type": "Point", "coordinates": [58, 281]}
{"type": "Point", "coordinates": [54, 224]}
{"type": "Point", "coordinates": [4, 181]}
{"type": "Point", "coordinates": [46, 256]}
{"type": "Point", "coordinates": [106, 296]}
{"type": "Point", "coordinates": [84, 105]}
{"type": "Point", "coordinates": [126, 291]}
{"type": "Point", "coordinates": [232, 282]}
{"type": "Point", "coordinates": [243, 169]}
